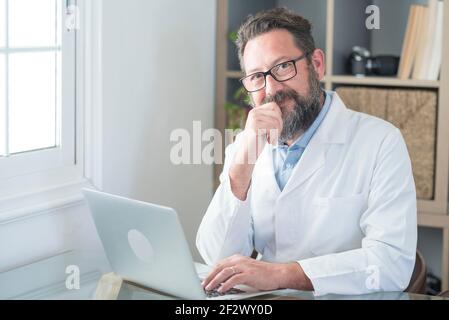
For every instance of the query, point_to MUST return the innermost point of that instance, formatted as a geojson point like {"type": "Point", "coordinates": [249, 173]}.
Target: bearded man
{"type": "Point", "coordinates": [324, 195]}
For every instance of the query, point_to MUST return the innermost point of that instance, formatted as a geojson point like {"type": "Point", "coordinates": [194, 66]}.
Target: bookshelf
{"type": "Point", "coordinates": [337, 39]}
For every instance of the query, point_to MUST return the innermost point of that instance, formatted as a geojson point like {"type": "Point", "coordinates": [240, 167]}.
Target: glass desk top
{"type": "Point", "coordinates": [51, 279]}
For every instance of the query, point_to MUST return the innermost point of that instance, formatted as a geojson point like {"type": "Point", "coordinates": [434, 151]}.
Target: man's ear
{"type": "Point", "coordinates": [319, 63]}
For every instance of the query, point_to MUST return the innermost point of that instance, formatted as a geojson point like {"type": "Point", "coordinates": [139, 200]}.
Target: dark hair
{"type": "Point", "coordinates": [278, 18]}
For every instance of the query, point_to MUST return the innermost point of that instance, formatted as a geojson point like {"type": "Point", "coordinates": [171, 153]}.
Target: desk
{"type": "Point", "coordinates": [46, 280]}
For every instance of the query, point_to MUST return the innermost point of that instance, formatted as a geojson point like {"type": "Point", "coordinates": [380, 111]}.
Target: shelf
{"type": "Point", "coordinates": [234, 74]}
{"type": "Point", "coordinates": [383, 81]}
{"type": "Point", "coordinates": [433, 220]}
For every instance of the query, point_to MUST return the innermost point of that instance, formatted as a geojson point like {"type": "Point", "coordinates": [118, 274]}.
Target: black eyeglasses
{"type": "Point", "coordinates": [281, 72]}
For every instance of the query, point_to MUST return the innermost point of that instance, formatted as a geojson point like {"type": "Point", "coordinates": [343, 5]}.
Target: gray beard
{"type": "Point", "coordinates": [305, 110]}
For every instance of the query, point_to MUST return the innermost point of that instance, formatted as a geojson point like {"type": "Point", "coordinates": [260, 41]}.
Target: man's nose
{"type": "Point", "coordinates": [272, 86]}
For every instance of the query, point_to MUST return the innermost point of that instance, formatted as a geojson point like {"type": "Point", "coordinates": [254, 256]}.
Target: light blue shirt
{"type": "Point", "coordinates": [285, 158]}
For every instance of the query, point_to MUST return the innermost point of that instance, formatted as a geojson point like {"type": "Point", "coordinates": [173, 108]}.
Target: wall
{"type": "Point", "coordinates": [159, 62]}
{"type": "Point", "coordinates": [46, 234]}
{"type": "Point", "coordinates": [315, 11]}
{"type": "Point", "coordinates": [158, 67]}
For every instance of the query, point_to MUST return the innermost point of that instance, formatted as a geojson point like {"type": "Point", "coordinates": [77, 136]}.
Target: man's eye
{"type": "Point", "coordinates": [284, 65]}
{"type": "Point", "coordinates": [256, 77]}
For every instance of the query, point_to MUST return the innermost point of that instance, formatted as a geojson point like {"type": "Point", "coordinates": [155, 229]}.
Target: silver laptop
{"type": "Point", "coordinates": [145, 244]}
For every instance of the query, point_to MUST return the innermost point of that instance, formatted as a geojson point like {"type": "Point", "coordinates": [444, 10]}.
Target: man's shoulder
{"type": "Point", "coordinates": [372, 122]}
{"type": "Point", "coordinates": [369, 126]}
{"type": "Point", "coordinates": [360, 122]}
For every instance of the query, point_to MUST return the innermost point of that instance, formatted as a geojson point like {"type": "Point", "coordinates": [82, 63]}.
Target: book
{"type": "Point", "coordinates": [437, 49]}
{"type": "Point", "coordinates": [409, 43]}
{"type": "Point", "coordinates": [426, 42]}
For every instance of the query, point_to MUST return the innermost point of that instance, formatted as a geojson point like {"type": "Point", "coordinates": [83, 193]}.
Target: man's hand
{"type": "Point", "coordinates": [264, 124]}
{"type": "Point", "coordinates": [265, 120]}
{"type": "Point", "coordinates": [257, 274]}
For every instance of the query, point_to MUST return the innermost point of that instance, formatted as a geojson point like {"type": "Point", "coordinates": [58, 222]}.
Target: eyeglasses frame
{"type": "Point", "coordinates": [266, 73]}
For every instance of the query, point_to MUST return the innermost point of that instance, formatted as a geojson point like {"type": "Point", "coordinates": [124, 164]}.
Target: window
{"type": "Point", "coordinates": [37, 87]}
{"type": "Point", "coordinates": [37, 96]}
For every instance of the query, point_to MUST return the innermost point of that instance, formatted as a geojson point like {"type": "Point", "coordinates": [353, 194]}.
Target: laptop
{"type": "Point", "coordinates": [145, 244]}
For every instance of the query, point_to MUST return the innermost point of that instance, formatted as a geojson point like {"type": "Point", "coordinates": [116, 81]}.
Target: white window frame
{"type": "Point", "coordinates": [55, 187]}
{"type": "Point", "coordinates": [64, 153]}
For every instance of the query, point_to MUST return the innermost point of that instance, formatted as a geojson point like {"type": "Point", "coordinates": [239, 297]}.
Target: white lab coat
{"type": "Point", "coordinates": [347, 213]}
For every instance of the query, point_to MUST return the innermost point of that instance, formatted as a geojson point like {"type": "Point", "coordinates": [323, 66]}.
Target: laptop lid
{"type": "Point", "coordinates": [145, 244]}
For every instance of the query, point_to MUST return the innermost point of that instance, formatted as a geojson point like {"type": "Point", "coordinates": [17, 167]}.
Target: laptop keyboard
{"type": "Point", "coordinates": [214, 293]}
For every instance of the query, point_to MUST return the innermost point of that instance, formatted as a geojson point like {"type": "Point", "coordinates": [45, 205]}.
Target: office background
{"type": "Point", "coordinates": [142, 104]}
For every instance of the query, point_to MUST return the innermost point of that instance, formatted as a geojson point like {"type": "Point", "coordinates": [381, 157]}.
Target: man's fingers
{"type": "Point", "coordinates": [216, 270]}
{"type": "Point", "coordinates": [272, 108]}
{"type": "Point", "coordinates": [269, 112]}
{"type": "Point", "coordinates": [219, 267]}
{"type": "Point", "coordinates": [223, 270]}
{"type": "Point", "coordinates": [268, 122]}
{"type": "Point", "coordinates": [274, 117]}
{"type": "Point", "coordinates": [232, 282]}
{"type": "Point", "coordinates": [211, 276]}
{"type": "Point", "coordinates": [269, 106]}
{"type": "Point", "coordinates": [225, 263]}
{"type": "Point", "coordinates": [221, 277]}
{"type": "Point", "coordinates": [267, 117]}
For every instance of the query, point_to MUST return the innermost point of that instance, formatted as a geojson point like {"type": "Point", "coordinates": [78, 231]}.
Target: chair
{"type": "Point", "coordinates": [444, 294]}
{"type": "Point", "coordinates": [418, 280]}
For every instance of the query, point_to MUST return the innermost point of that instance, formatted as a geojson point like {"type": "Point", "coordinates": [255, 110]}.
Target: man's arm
{"type": "Point", "coordinates": [226, 228]}
{"type": "Point", "coordinates": [257, 274]}
{"type": "Point", "coordinates": [386, 258]}
{"type": "Point", "coordinates": [264, 124]}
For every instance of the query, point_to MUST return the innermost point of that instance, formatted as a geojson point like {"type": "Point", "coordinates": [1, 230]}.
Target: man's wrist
{"type": "Point", "coordinates": [292, 276]}
{"type": "Point", "coordinates": [239, 189]}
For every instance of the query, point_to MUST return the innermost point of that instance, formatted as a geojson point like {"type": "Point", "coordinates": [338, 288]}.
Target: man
{"type": "Point", "coordinates": [329, 201]}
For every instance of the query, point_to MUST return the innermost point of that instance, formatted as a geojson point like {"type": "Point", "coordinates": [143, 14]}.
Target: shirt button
{"type": "Point", "coordinates": [289, 166]}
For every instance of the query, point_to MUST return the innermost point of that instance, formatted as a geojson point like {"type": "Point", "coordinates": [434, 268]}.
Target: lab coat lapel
{"type": "Point", "coordinates": [312, 159]}
{"type": "Point", "coordinates": [332, 130]}
{"type": "Point", "coordinates": [266, 168]}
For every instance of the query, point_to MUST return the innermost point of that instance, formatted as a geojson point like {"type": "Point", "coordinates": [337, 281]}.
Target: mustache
{"type": "Point", "coordinates": [280, 96]}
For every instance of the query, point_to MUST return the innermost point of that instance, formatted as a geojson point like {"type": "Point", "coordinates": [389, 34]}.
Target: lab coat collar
{"type": "Point", "coordinates": [333, 130]}
{"type": "Point", "coordinates": [334, 127]}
